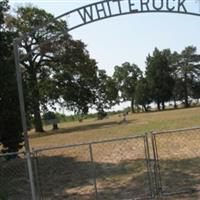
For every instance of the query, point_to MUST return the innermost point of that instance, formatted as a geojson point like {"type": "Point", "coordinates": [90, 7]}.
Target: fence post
{"type": "Point", "coordinates": [157, 176]}
{"type": "Point", "coordinates": [93, 171]}
{"type": "Point", "coordinates": [149, 170]}
{"type": "Point", "coordinates": [37, 182]}
{"type": "Point", "coordinates": [23, 118]}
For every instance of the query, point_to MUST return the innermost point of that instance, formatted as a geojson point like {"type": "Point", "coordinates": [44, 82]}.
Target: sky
{"type": "Point", "coordinates": [128, 38]}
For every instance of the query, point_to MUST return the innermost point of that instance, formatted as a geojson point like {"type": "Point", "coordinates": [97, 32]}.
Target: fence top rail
{"type": "Point", "coordinates": [88, 143]}
{"type": "Point", "coordinates": [176, 130]}
{"type": "Point", "coordinates": [11, 154]}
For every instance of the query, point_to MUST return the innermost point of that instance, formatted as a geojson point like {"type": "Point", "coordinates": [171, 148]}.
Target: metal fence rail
{"type": "Point", "coordinates": [14, 181]}
{"type": "Point", "coordinates": [109, 169]}
{"type": "Point", "coordinates": [177, 158]}
{"type": "Point", "coordinates": [148, 166]}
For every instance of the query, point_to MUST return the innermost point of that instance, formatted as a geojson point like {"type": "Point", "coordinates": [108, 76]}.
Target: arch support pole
{"type": "Point", "coordinates": [23, 118]}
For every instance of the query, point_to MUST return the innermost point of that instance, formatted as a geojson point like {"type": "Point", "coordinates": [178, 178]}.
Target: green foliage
{"type": "Point", "coordinates": [49, 115]}
{"type": "Point", "coordinates": [76, 77]}
{"type": "Point", "coordinates": [188, 71]}
{"type": "Point", "coordinates": [159, 78]}
{"type": "Point", "coordinates": [106, 93]}
{"type": "Point", "coordinates": [142, 93]}
{"type": "Point", "coordinates": [57, 68]}
{"type": "Point", "coordinates": [36, 66]}
{"type": "Point", "coordinates": [10, 121]}
{"type": "Point", "coordinates": [126, 77]}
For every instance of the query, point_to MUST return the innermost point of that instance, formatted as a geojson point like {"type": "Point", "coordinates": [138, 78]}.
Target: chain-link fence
{"type": "Point", "coordinates": [177, 159]}
{"type": "Point", "coordinates": [110, 169]}
{"type": "Point", "coordinates": [139, 167]}
{"type": "Point", "coordinates": [14, 181]}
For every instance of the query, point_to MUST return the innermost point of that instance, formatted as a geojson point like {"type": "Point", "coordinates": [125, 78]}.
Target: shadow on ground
{"type": "Point", "coordinates": [66, 178]}
{"type": "Point", "coordinates": [82, 128]}
{"type": "Point", "coordinates": [63, 178]}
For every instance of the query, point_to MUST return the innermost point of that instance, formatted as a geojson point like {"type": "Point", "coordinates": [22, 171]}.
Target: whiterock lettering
{"type": "Point", "coordinates": [110, 8]}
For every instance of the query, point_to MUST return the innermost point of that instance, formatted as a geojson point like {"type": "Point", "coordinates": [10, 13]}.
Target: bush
{"type": "Point", "coordinates": [101, 115]}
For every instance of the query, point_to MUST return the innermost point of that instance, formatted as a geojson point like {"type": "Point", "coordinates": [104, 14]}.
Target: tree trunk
{"type": "Point", "coordinates": [186, 92]}
{"type": "Point", "coordinates": [175, 105]}
{"type": "Point", "coordinates": [145, 108]}
{"type": "Point", "coordinates": [163, 105]}
{"type": "Point", "coordinates": [55, 126]}
{"type": "Point", "coordinates": [158, 105]}
{"type": "Point", "coordinates": [132, 105]}
{"type": "Point", "coordinates": [34, 91]}
{"type": "Point", "coordinates": [36, 105]}
{"type": "Point", "coordinates": [37, 117]}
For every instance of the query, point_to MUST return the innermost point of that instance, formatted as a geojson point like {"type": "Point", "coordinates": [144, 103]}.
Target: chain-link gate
{"type": "Point", "coordinates": [177, 162]}
{"type": "Point", "coordinates": [109, 169]}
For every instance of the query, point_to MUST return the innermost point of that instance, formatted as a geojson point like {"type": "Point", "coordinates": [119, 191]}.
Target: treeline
{"type": "Point", "coordinates": [169, 76]}
{"type": "Point", "coordinates": [58, 70]}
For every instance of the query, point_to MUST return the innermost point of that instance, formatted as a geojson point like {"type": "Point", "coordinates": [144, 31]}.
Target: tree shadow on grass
{"type": "Point", "coordinates": [82, 128]}
{"type": "Point", "coordinates": [181, 175]}
{"type": "Point", "coordinates": [116, 181]}
{"type": "Point", "coordinates": [65, 177]}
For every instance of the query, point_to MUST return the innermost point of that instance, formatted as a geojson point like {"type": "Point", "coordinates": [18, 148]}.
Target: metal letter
{"type": "Point", "coordinates": [99, 10]}
{"type": "Point", "coordinates": [181, 5]}
{"type": "Point", "coordinates": [86, 14]}
{"type": "Point", "coordinates": [131, 5]}
{"type": "Point", "coordinates": [157, 8]}
{"type": "Point", "coordinates": [109, 9]}
{"type": "Point", "coordinates": [168, 8]}
{"type": "Point", "coordinates": [119, 4]}
{"type": "Point", "coordinates": [144, 4]}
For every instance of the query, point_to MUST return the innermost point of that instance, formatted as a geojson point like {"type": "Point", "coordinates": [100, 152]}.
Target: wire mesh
{"type": "Point", "coordinates": [65, 173]}
{"type": "Point", "coordinates": [121, 169]}
{"type": "Point", "coordinates": [14, 181]}
{"type": "Point", "coordinates": [110, 169]}
{"type": "Point", "coordinates": [178, 161]}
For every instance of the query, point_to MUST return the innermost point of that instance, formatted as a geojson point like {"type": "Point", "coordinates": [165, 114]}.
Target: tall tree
{"type": "Point", "coordinates": [106, 93]}
{"type": "Point", "coordinates": [142, 93]}
{"type": "Point", "coordinates": [188, 70]}
{"type": "Point", "coordinates": [173, 60]}
{"type": "Point", "coordinates": [126, 77]}
{"type": "Point", "coordinates": [159, 78]}
{"type": "Point", "coordinates": [75, 77]}
{"type": "Point", "coordinates": [37, 53]}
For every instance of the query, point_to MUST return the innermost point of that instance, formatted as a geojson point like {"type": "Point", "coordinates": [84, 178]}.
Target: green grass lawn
{"type": "Point", "coordinates": [139, 123]}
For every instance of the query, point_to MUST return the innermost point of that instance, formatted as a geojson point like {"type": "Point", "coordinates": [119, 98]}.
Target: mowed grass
{"type": "Point", "coordinates": [120, 167]}
{"type": "Point", "coordinates": [112, 127]}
